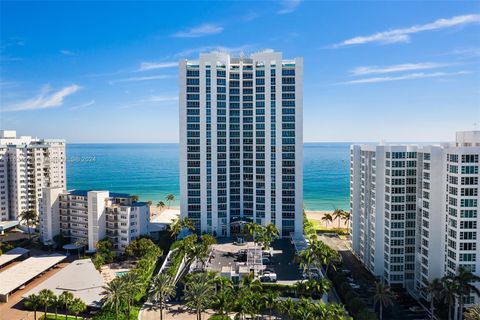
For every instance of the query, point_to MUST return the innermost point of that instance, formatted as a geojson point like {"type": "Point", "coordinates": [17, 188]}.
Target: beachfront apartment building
{"type": "Point", "coordinates": [90, 216]}
{"type": "Point", "coordinates": [415, 210]}
{"type": "Point", "coordinates": [241, 141]}
{"type": "Point", "coordinates": [27, 165]}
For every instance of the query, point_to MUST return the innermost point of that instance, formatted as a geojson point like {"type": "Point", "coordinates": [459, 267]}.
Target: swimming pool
{"type": "Point", "coordinates": [121, 273]}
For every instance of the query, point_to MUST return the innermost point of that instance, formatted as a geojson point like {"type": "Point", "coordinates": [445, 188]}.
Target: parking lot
{"type": "Point", "coordinates": [281, 261]}
{"type": "Point", "coordinates": [365, 284]}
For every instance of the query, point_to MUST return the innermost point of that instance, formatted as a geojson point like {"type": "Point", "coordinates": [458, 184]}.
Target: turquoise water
{"type": "Point", "coordinates": [121, 273]}
{"type": "Point", "coordinates": [151, 171]}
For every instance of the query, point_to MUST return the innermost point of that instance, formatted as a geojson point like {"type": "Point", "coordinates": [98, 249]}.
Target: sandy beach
{"type": "Point", "coordinates": [316, 217]}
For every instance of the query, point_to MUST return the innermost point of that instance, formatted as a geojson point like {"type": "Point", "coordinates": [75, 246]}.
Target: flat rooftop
{"type": "Point", "coordinates": [25, 271]}
{"type": "Point", "coordinates": [4, 225]}
{"type": "Point", "coordinates": [80, 278]}
{"type": "Point", "coordinates": [11, 255]}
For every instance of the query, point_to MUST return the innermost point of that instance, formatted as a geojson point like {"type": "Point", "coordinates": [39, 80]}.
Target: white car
{"type": "Point", "coordinates": [268, 276]}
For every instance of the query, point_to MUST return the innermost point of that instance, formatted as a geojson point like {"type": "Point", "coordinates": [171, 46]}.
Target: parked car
{"type": "Point", "coordinates": [268, 276]}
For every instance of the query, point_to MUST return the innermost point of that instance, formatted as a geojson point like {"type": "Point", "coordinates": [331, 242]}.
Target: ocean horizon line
{"type": "Point", "coordinates": [304, 143]}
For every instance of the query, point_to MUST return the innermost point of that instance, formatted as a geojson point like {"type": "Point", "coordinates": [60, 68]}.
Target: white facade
{"type": "Point", "coordinates": [90, 216]}
{"type": "Point", "coordinates": [415, 210]}
{"type": "Point", "coordinates": [241, 141]}
{"type": "Point", "coordinates": [27, 165]}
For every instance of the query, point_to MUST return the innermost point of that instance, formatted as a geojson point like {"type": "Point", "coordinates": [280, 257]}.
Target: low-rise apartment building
{"type": "Point", "coordinates": [90, 216]}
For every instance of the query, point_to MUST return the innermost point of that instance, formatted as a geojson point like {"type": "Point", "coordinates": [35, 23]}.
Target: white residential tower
{"type": "Point", "coordinates": [241, 142]}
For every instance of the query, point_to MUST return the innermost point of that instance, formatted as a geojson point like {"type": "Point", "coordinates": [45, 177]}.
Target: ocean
{"type": "Point", "coordinates": [151, 171]}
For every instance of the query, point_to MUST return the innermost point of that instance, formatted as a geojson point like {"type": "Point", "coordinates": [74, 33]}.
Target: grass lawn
{"type": "Point", "coordinates": [320, 227]}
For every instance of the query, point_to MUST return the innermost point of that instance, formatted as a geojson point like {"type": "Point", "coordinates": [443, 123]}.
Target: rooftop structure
{"type": "Point", "coordinates": [12, 255]}
{"type": "Point", "coordinates": [21, 273]}
{"type": "Point", "coordinates": [80, 278]}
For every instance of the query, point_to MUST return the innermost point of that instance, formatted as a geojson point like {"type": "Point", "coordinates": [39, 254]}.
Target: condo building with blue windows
{"type": "Point", "coordinates": [241, 142]}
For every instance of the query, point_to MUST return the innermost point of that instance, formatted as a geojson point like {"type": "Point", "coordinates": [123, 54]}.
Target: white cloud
{"type": "Point", "coordinates": [46, 99]}
{"type": "Point", "coordinates": [289, 6]}
{"type": "Point", "coordinates": [7, 84]}
{"type": "Point", "coordinates": [84, 105]}
{"type": "Point", "coordinates": [420, 75]}
{"type": "Point", "coordinates": [200, 31]}
{"type": "Point", "coordinates": [151, 101]}
{"type": "Point", "coordinates": [196, 51]}
{"type": "Point", "coordinates": [67, 52]}
{"type": "Point", "coordinates": [403, 34]}
{"type": "Point", "coordinates": [161, 99]}
{"type": "Point", "coordinates": [144, 66]}
{"type": "Point", "coordinates": [147, 78]}
{"type": "Point", "coordinates": [359, 71]}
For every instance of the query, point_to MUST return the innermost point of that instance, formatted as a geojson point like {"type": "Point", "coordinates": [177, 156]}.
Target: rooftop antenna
{"type": "Point", "coordinates": [242, 55]}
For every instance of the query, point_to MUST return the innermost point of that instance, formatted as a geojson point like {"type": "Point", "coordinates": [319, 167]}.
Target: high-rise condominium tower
{"type": "Point", "coordinates": [415, 210]}
{"type": "Point", "coordinates": [241, 141]}
{"type": "Point", "coordinates": [27, 165]}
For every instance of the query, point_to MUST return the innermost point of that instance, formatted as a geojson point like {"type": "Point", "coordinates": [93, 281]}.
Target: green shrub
{"type": "Point", "coordinates": [219, 317]}
{"type": "Point", "coordinates": [355, 305]}
{"type": "Point", "coordinates": [350, 295]}
{"type": "Point", "coordinates": [366, 314]}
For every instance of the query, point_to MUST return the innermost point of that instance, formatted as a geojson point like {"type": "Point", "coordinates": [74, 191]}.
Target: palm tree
{"type": "Point", "coordinates": [382, 296]}
{"type": "Point", "coordinates": [175, 228]}
{"type": "Point", "coordinates": [222, 283]}
{"type": "Point", "coordinates": [65, 299]}
{"type": "Point", "coordinates": [472, 313]}
{"type": "Point", "coordinates": [198, 295]}
{"type": "Point", "coordinates": [77, 306]}
{"type": "Point", "coordinates": [114, 293]}
{"type": "Point", "coordinates": [315, 287]}
{"type": "Point", "coordinates": [338, 214]}
{"type": "Point", "coordinates": [29, 217]}
{"type": "Point", "coordinates": [222, 301]}
{"type": "Point", "coordinates": [133, 285]}
{"type": "Point", "coordinates": [55, 304]}
{"type": "Point", "coordinates": [270, 301]}
{"type": "Point", "coordinates": [449, 291]}
{"type": "Point", "coordinates": [251, 229]}
{"type": "Point", "coordinates": [188, 223]}
{"type": "Point", "coordinates": [161, 289]}
{"type": "Point", "coordinates": [33, 302]}
{"type": "Point", "coordinates": [170, 197]}
{"type": "Point", "coordinates": [327, 217]}
{"type": "Point", "coordinates": [434, 289]}
{"type": "Point", "coordinates": [46, 298]}
{"type": "Point", "coordinates": [346, 216]}
{"type": "Point", "coordinates": [287, 307]}
{"type": "Point", "coordinates": [161, 204]}
{"type": "Point", "coordinates": [465, 279]}
{"type": "Point", "coordinates": [135, 198]}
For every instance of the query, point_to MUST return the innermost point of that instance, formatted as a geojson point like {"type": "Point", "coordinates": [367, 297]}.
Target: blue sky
{"type": "Point", "coordinates": [106, 71]}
